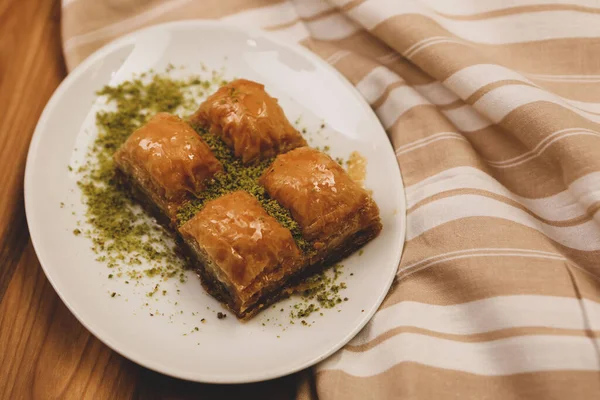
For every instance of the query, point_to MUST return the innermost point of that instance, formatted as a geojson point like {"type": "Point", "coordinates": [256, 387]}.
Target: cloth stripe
{"type": "Point", "coordinates": [424, 382]}
{"type": "Point", "coordinates": [465, 7]}
{"type": "Point", "coordinates": [498, 30]}
{"type": "Point", "coordinates": [514, 355]}
{"type": "Point", "coordinates": [485, 315]}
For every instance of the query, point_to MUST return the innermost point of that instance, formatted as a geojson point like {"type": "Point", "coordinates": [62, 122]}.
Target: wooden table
{"type": "Point", "coordinates": [45, 353]}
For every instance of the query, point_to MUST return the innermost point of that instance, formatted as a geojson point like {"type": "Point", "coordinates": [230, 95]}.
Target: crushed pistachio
{"type": "Point", "coordinates": [150, 294]}
{"type": "Point", "coordinates": [319, 291]}
{"type": "Point", "coordinates": [119, 231]}
{"type": "Point", "coordinates": [304, 311]}
{"type": "Point", "coordinates": [237, 176]}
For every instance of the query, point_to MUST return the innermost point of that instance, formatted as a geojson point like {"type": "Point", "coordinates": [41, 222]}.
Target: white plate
{"type": "Point", "coordinates": [221, 351]}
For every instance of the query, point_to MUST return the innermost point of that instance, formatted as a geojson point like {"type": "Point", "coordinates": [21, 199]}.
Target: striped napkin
{"type": "Point", "coordinates": [493, 108]}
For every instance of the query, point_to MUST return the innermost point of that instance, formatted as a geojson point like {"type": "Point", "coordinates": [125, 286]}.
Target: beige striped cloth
{"type": "Point", "coordinates": [493, 108]}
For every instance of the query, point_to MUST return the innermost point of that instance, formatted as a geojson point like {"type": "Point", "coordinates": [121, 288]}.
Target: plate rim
{"type": "Point", "coordinates": [27, 183]}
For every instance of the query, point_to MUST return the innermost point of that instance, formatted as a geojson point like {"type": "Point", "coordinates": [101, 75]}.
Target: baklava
{"type": "Point", "coordinates": [334, 212]}
{"type": "Point", "coordinates": [247, 255]}
{"type": "Point", "coordinates": [249, 120]}
{"type": "Point", "coordinates": [166, 162]}
{"type": "Point", "coordinates": [244, 254]}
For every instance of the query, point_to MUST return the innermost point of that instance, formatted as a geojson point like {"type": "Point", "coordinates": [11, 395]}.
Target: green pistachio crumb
{"type": "Point", "coordinates": [321, 291]}
{"type": "Point", "coordinates": [237, 176]}
{"type": "Point", "coordinates": [120, 233]}
{"type": "Point", "coordinates": [153, 292]}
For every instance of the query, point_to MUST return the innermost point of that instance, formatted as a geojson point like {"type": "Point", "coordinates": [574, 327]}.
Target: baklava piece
{"type": "Point", "coordinates": [165, 162]}
{"type": "Point", "coordinates": [248, 120]}
{"type": "Point", "coordinates": [334, 212]}
{"type": "Point", "coordinates": [245, 257]}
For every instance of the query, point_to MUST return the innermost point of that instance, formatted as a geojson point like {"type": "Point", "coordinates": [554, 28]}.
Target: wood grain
{"type": "Point", "coordinates": [45, 353]}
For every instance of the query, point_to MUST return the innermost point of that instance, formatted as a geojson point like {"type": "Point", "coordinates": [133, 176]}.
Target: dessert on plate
{"type": "Point", "coordinates": [247, 255]}
{"type": "Point", "coordinates": [249, 120]}
{"type": "Point", "coordinates": [166, 162]}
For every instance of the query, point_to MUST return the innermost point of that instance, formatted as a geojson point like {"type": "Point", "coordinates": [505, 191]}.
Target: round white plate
{"type": "Point", "coordinates": [220, 351]}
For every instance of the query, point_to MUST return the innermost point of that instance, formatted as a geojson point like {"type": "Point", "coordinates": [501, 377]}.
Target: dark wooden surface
{"type": "Point", "coordinates": [45, 353]}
